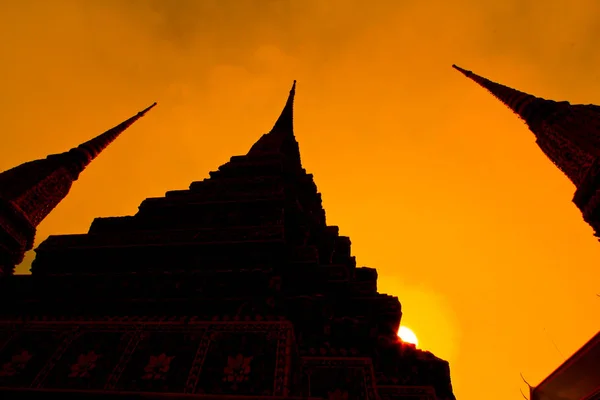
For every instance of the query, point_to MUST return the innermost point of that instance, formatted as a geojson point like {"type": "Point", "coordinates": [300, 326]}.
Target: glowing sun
{"type": "Point", "coordinates": [407, 335]}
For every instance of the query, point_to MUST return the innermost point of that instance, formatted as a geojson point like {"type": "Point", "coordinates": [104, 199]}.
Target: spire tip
{"type": "Point", "coordinates": [464, 71]}
{"type": "Point", "coordinates": [144, 111]}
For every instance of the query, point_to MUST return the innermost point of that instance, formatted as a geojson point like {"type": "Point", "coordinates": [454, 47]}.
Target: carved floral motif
{"type": "Point", "coordinates": [84, 365]}
{"type": "Point", "coordinates": [237, 370]}
{"type": "Point", "coordinates": [17, 363]}
{"type": "Point", "coordinates": [157, 367]}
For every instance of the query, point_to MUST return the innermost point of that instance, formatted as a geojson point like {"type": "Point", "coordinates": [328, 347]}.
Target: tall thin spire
{"type": "Point", "coordinates": [92, 148]}
{"type": "Point", "coordinates": [530, 108]}
{"type": "Point", "coordinates": [281, 136]}
{"type": "Point", "coordinates": [285, 122]}
{"type": "Point", "coordinates": [567, 134]}
{"type": "Point", "coordinates": [30, 191]}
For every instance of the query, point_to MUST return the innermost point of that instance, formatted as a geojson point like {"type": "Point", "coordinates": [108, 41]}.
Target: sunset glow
{"type": "Point", "coordinates": [407, 335]}
{"type": "Point", "coordinates": [439, 186]}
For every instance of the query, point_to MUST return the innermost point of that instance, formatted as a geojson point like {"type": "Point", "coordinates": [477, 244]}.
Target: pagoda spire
{"type": "Point", "coordinates": [567, 134]}
{"type": "Point", "coordinates": [30, 191]}
{"type": "Point", "coordinates": [281, 139]}
{"type": "Point", "coordinates": [531, 109]}
{"type": "Point", "coordinates": [93, 147]}
{"type": "Point", "coordinates": [569, 147]}
{"type": "Point", "coordinates": [285, 122]}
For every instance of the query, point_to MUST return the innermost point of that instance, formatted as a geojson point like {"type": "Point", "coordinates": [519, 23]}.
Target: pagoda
{"type": "Point", "coordinates": [568, 134]}
{"type": "Point", "coordinates": [30, 191]}
{"type": "Point", "coordinates": [234, 288]}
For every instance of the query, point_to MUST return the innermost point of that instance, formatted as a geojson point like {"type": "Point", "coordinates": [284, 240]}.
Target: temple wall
{"type": "Point", "coordinates": [252, 359]}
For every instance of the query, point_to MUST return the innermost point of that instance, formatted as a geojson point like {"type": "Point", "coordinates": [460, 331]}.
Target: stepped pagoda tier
{"type": "Point", "coordinates": [29, 192]}
{"type": "Point", "coordinates": [568, 134]}
{"type": "Point", "coordinates": [235, 287]}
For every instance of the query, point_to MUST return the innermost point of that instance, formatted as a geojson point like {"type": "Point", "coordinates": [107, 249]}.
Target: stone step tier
{"type": "Point", "coordinates": [197, 249]}
{"type": "Point", "coordinates": [196, 288]}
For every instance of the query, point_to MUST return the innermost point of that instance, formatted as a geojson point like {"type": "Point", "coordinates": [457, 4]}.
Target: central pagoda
{"type": "Point", "coordinates": [235, 287]}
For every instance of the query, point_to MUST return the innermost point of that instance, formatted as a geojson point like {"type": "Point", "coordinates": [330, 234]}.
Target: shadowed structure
{"type": "Point", "coordinates": [29, 192]}
{"type": "Point", "coordinates": [578, 378]}
{"type": "Point", "coordinates": [234, 287]}
{"type": "Point", "coordinates": [568, 134]}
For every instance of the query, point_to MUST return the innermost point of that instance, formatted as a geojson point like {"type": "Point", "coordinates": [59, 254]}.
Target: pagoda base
{"type": "Point", "coordinates": [32, 394]}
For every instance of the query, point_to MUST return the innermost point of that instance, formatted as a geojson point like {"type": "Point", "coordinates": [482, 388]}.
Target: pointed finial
{"type": "Point", "coordinates": [89, 150]}
{"type": "Point", "coordinates": [285, 122]}
{"type": "Point", "coordinates": [281, 136]}
{"type": "Point", "coordinates": [530, 108]}
{"type": "Point", "coordinates": [464, 71]}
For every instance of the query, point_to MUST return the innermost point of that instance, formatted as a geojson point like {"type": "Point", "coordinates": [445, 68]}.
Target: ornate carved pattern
{"type": "Point", "coordinates": [38, 346]}
{"type": "Point", "coordinates": [194, 375]}
{"type": "Point", "coordinates": [345, 378]}
{"type": "Point", "coordinates": [143, 238]}
{"type": "Point", "coordinates": [236, 351]}
{"type": "Point", "coordinates": [39, 379]}
{"type": "Point", "coordinates": [567, 157]}
{"type": "Point", "coordinates": [90, 358]}
{"type": "Point", "coordinates": [162, 360]}
{"type": "Point", "coordinates": [284, 369]}
{"type": "Point", "coordinates": [46, 195]}
{"type": "Point", "coordinates": [18, 362]}
{"type": "Point", "coordinates": [582, 122]}
{"type": "Point", "coordinates": [158, 367]}
{"type": "Point", "coordinates": [16, 224]}
{"type": "Point", "coordinates": [85, 365]}
{"type": "Point", "coordinates": [133, 338]}
{"type": "Point", "coordinates": [589, 184]}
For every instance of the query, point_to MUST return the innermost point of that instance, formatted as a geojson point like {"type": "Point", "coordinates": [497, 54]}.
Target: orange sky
{"type": "Point", "coordinates": [439, 186]}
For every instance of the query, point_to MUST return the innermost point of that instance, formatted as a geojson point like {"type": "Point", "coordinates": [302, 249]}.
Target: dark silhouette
{"type": "Point", "coordinates": [29, 192]}
{"type": "Point", "coordinates": [568, 134]}
{"type": "Point", "coordinates": [236, 286]}
{"type": "Point", "coordinates": [577, 378]}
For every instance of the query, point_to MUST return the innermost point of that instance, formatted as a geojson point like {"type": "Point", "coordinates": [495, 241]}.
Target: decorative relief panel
{"type": "Point", "coordinates": [228, 357]}
{"type": "Point", "coordinates": [24, 356]}
{"type": "Point", "coordinates": [161, 360]}
{"type": "Point", "coordinates": [89, 359]}
{"type": "Point", "coordinates": [245, 359]}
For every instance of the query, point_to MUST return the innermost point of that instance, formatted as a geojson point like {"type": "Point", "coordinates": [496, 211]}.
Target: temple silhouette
{"type": "Point", "coordinates": [569, 135]}
{"type": "Point", "coordinates": [29, 192]}
{"type": "Point", "coordinates": [234, 287]}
